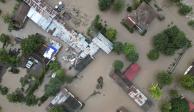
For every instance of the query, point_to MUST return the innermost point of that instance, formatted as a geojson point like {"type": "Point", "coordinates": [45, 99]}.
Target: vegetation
{"type": "Point", "coordinates": [53, 87]}
{"type": "Point", "coordinates": [170, 40]}
{"type": "Point", "coordinates": [16, 96]}
{"type": "Point", "coordinates": [155, 91]}
{"type": "Point", "coordinates": [54, 66]}
{"type": "Point", "coordinates": [118, 65]}
{"type": "Point", "coordinates": [5, 39]}
{"type": "Point", "coordinates": [118, 5]}
{"type": "Point", "coordinates": [117, 47]}
{"type": "Point", "coordinates": [130, 52]}
{"type": "Point", "coordinates": [129, 9]}
{"type": "Point", "coordinates": [8, 57]}
{"type": "Point", "coordinates": [31, 44]}
{"type": "Point", "coordinates": [104, 4]}
{"type": "Point", "coordinates": [185, 9]}
{"type": "Point", "coordinates": [164, 78]}
{"type": "Point", "coordinates": [31, 100]}
{"type": "Point", "coordinates": [166, 107]}
{"type": "Point", "coordinates": [179, 105]}
{"type": "Point", "coordinates": [111, 34]}
{"type": "Point", "coordinates": [56, 109]}
{"type": "Point", "coordinates": [191, 23]}
{"type": "Point", "coordinates": [4, 90]}
{"type": "Point", "coordinates": [130, 29]}
{"type": "Point", "coordinates": [153, 54]}
{"type": "Point", "coordinates": [3, 1]}
{"type": "Point", "coordinates": [187, 82]}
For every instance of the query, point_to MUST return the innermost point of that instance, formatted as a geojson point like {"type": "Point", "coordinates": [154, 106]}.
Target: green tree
{"type": "Point", "coordinates": [155, 91]}
{"type": "Point", "coordinates": [187, 82]}
{"type": "Point", "coordinates": [56, 109]}
{"type": "Point", "coordinates": [153, 54]}
{"type": "Point", "coordinates": [104, 4]}
{"type": "Point", "coordinates": [119, 5]}
{"type": "Point", "coordinates": [185, 9]}
{"type": "Point", "coordinates": [31, 44]}
{"type": "Point", "coordinates": [164, 78]}
{"type": "Point", "coordinates": [118, 65]}
{"type": "Point", "coordinates": [133, 56]}
{"type": "Point", "coordinates": [54, 65]}
{"type": "Point", "coordinates": [117, 47]}
{"type": "Point", "coordinates": [5, 39]}
{"type": "Point", "coordinates": [166, 107]}
{"type": "Point", "coordinates": [170, 40]}
{"type": "Point", "coordinates": [179, 105]}
{"type": "Point", "coordinates": [111, 34]}
{"type": "Point", "coordinates": [191, 23]}
{"type": "Point", "coordinates": [7, 18]}
{"type": "Point", "coordinates": [16, 96]}
{"type": "Point", "coordinates": [128, 48]}
{"type": "Point", "coordinates": [31, 100]}
{"type": "Point", "coordinates": [53, 87]}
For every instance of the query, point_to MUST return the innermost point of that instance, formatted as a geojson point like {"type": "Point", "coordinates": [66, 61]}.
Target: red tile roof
{"type": "Point", "coordinates": [131, 72]}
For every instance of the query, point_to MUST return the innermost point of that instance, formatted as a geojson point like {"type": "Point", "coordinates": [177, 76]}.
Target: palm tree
{"type": "Point", "coordinates": [155, 91]}
{"type": "Point", "coordinates": [5, 39]}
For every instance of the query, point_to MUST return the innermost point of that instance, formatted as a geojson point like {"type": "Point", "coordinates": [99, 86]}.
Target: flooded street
{"type": "Point", "coordinates": [112, 96]}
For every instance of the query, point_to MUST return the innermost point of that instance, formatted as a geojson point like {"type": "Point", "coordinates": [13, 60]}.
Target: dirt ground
{"type": "Point", "coordinates": [111, 96]}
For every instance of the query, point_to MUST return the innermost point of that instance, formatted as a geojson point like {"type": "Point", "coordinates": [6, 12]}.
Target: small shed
{"type": "Point", "coordinates": [131, 71]}
{"type": "Point", "coordinates": [21, 14]}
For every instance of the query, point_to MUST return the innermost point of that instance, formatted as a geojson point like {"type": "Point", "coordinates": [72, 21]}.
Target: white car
{"type": "Point", "coordinates": [188, 69]}
{"type": "Point", "coordinates": [29, 64]}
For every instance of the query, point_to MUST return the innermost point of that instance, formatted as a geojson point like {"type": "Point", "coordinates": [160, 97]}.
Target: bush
{"type": "Point", "coordinates": [185, 9]}
{"type": "Point", "coordinates": [118, 65]}
{"type": "Point", "coordinates": [153, 54]}
{"type": "Point", "coordinates": [129, 9]}
{"type": "Point", "coordinates": [130, 29]}
{"type": "Point", "coordinates": [0, 11]}
{"type": "Point", "coordinates": [133, 57]}
{"type": "Point", "coordinates": [2, 1]}
{"type": "Point", "coordinates": [14, 70]}
{"type": "Point", "coordinates": [16, 96]}
{"type": "Point", "coordinates": [56, 109]}
{"type": "Point", "coordinates": [191, 23]}
{"type": "Point", "coordinates": [164, 78]}
{"type": "Point", "coordinates": [111, 34]}
{"type": "Point", "coordinates": [179, 105]}
{"type": "Point", "coordinates": [31, 100]}
{"type": "Point", "coordinates": [155, 91]}
{"type": "Point", "coordinates": [104, 4]}
{"type": "Point", "coordinates": [118, 5]}
{"type": "Point", "coordinates": [166, 107]}
{"type": "Point", "coordinates": [117, 47]}
{"type": "Point", "coordinates": [187, 82]}
{"type": "Point", "coordinates": [4, 90]}
{"type": "Point", "coordinates": [170, 40]}
{"type": "Point", "coordinates": [54, 66]}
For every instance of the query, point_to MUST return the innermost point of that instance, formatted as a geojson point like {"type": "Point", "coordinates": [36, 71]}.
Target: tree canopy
{"type": "Point", "coordinates": [111, 34]}
{"type": "Point", "coordinates": [104, 4]}
{"type": "Point", "coordinates": [56, 109]}
{"type": "Point", "coordinates": [118, 5]}
{"type": "Point", "coordinates": [31, 44]}
{"type": "Point", "coordinates": [118, 65]}
{"type": "Point", "coordinates": [164, 78]}
{"type": "Point", "coordinates": [153, 54]}
{"type": "Point", "coordinates": [187, 81]}
{"type": "Point", "coordinates": [155, 91]}
{"type": "Point", "coordinates": [5, 39]}
{"type": "Point", "coordinates": [170, 40]}
{"type": "Point", "coordinates": [179, 105]}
